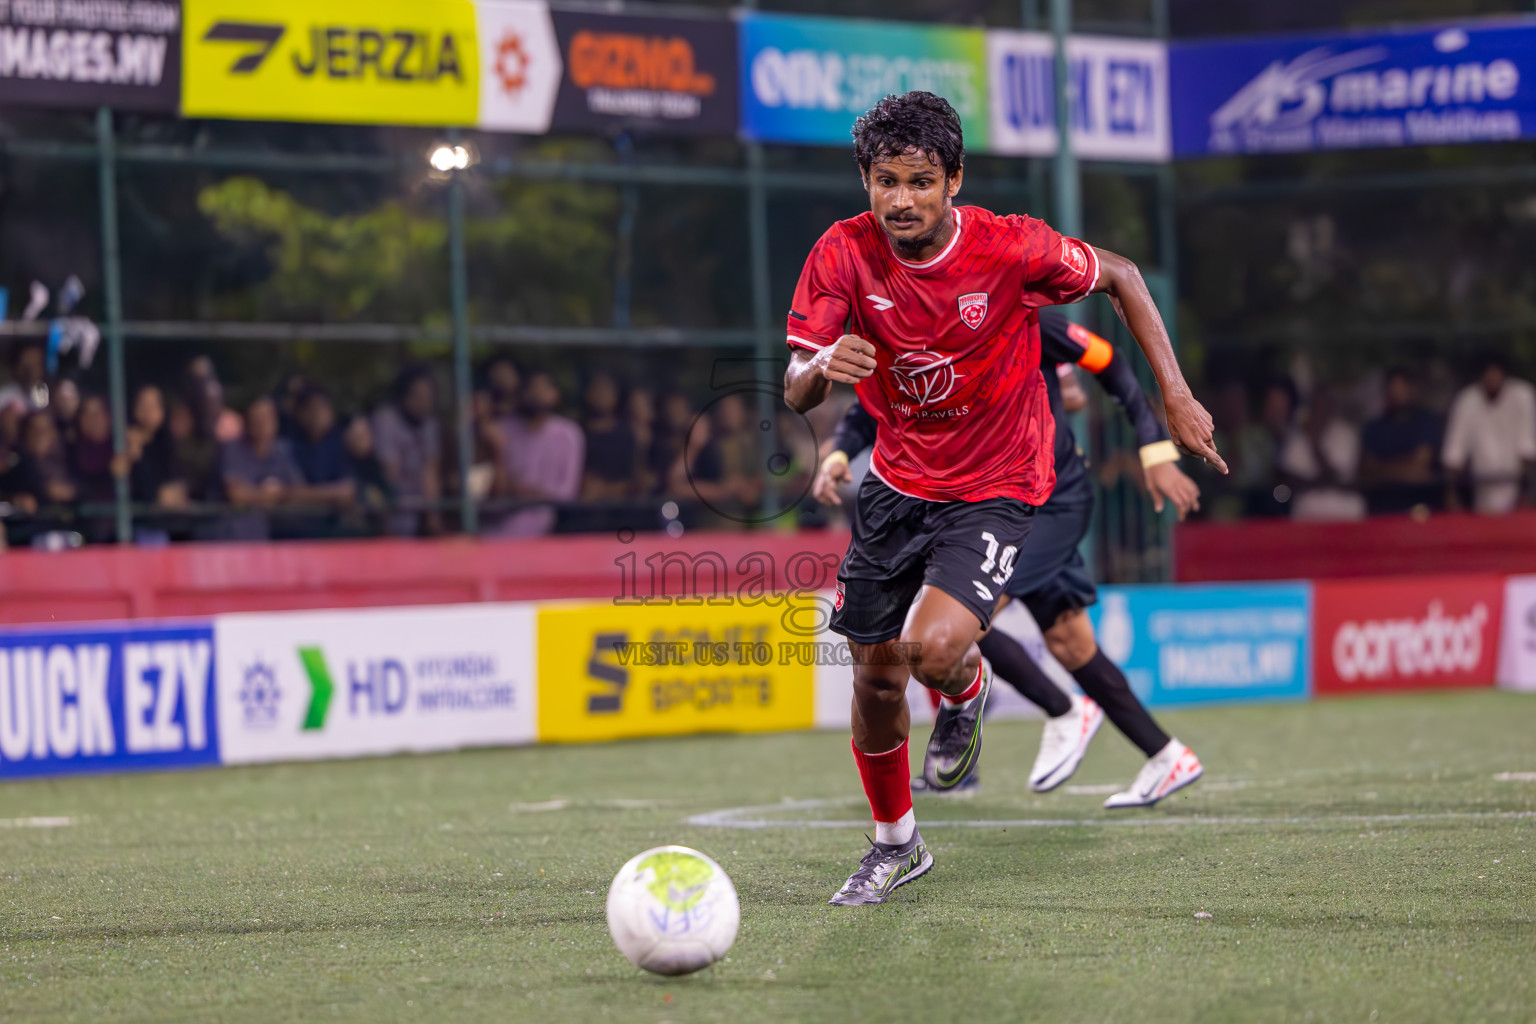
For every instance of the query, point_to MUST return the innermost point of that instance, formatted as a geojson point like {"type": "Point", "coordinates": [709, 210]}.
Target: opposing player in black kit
{"type": "Point", "coordinates": [1054, 584]}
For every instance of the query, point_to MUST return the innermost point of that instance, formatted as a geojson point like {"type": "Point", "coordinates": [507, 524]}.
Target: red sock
{"type": "Point", "coordinates": [968, 692]}
{"type": "Point", "coordinates": [887, 782]}
{"type": "Point", "coordinates": [933, 698]}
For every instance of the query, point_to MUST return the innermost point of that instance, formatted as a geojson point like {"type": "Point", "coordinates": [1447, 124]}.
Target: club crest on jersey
{"type": "Point", "coordinates": [925, 377]}
{"type": "Point", "coordinates": [973, 309]}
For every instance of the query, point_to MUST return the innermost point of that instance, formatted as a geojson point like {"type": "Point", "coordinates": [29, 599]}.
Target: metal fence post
{"type": "Point", "coordinates": [463, 388]}
{"type": "Point", "coordinates": [762, 307]}
{"type": "Point", "coordinates": [112, 299]}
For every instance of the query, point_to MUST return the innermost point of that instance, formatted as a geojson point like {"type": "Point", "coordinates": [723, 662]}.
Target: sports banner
{"type": "Point", "coordinates": [1408, 633]}
{"type": "Point", "coordinates": [106, 699]}
{"type": "Point", "coordinates": [125, 54]}
{"type": "Point", "coordinates": [1517, 640]}
{"type": "Point", "coordinates": [305, 685]}
{"type": "Point", "coordinates": [1207, 644]}
{"type": "Point", "coordinates": [663, 75]}
{"type": "Point", "coordinates": [806, 79]}
{"type": "Point", "coordinates": [1117, 89]}
{"type": "Point", "coordinates": [1471, 83]}
{"type": "Point", "coordinates": [385, 62]}
{"type": "Point", "coordinates": [610, 670]}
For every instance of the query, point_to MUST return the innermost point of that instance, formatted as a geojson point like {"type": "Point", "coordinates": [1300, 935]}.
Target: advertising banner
{"type": "Point", "coordinates": [1475, 83]}
{"type": "Point", "coordinates": [86, 55]}
{"type": "Point", "coordinates": [306, 685]}
{"type": "Point", "coordinates": [1118, 94]}
{"type": "Point", "coordinates": [664, 75]}
{"type": "Point", "coordinates": [1517, 640]}
{"type": "Point", "coordinates": [1209, 644]}
{"type": "Point", "coordinates": [520, 65]}
{"type": "Point", "coordinates": [1407, 633]}
{"type": "Point", "coordinates": [385, 62]}
{"type": "Point", "coordinates": [608, 670]}
{"type": "Point", "coordinates": [100, 699]}
{"type": "Point", "coordinates": [806, 79]}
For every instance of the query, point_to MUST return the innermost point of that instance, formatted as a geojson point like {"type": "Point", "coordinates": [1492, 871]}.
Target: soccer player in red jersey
{"type": "Point", "coordinates": [928, 309]}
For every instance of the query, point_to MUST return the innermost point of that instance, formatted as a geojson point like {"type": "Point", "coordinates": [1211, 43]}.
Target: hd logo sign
{"type": "Point", "coordinates": [387, 61]}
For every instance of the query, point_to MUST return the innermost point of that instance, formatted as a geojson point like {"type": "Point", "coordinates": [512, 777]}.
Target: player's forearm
{"type": "Point", "coordinates": [1119, 380]}
{"type": "Point", "coordinates": [805, 386]}
{"type": "Point", "coordinates": [855, 432]}
{"type": "Point", "coordinates": [1128, 292]}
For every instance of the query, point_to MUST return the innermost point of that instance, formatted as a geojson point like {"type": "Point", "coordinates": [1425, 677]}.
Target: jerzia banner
{"type": "Point", "coordinates": [125, 54]}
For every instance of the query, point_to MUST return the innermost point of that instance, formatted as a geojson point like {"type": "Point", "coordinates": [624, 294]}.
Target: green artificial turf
{"type": "Point", "coordinates": [1358, 858]}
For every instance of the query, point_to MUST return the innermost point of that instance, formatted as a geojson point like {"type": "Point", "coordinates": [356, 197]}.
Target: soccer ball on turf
{"type": "Point", "coordinates": [672, 910]}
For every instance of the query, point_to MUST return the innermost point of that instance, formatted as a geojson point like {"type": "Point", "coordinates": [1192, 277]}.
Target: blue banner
{"type": "Point", "coordinates": [1412, 88]}
{"type": "Point", "coordinates": [106, 699]}
{"type": "Point", "coordinates": [1209, 644]}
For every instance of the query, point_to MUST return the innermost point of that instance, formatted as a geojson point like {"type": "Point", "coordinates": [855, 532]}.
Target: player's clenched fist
{"type": "Point", "coordinates": [847, 360]}
{"type": "Point", "coordinates": [834, 473]}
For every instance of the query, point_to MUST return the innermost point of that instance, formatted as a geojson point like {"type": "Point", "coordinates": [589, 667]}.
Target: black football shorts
{"type": "Point", "coordinates": [1052, 577]}
{"type": "Point", "coordinates": [965, 548]}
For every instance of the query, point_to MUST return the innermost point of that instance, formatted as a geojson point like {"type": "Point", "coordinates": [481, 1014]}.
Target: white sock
{"type": "Point", "coordinates": [898, 832]}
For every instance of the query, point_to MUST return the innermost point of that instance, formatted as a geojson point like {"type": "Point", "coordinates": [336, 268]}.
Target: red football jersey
{"type": "Point", "coordinates": [957, 392]}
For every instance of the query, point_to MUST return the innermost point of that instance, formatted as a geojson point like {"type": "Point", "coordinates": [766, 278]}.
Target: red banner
{"type": "Point", "coordinates": [1406, 633]}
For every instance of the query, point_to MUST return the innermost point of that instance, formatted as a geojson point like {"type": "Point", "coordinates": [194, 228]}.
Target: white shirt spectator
{"type": "Point", "coordinates": [1492, 438]}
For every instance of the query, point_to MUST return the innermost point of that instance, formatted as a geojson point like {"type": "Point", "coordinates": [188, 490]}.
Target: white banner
{"type": "Point", "coordinates": [834, 682]}
{"type": "Point", "coordinates": [306, 685]}
{"type": "Point", "coordinates": [1517, 643]}
{"type": "Point", "coordinates": [520, 65]}
{"type": "Point", "coordinates": [1118, 90]}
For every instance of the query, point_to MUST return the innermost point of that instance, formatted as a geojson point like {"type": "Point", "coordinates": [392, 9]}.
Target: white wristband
{"type": "Point", "coordinates": [1157, 453]}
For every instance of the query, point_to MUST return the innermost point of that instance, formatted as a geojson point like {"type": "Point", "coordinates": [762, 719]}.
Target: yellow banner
{"type": "Point", "coordinates": [385, 61]}
{"type": "Point", "coordinates": [608, 671]}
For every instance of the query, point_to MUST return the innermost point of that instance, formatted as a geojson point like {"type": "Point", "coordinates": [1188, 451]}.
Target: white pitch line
{"type": "Point", "coordinates": [1515, 777]}
{"type": "Point", "coordinates": [732, 817]}
{"type": "Point", "coordinates": [35, 822]}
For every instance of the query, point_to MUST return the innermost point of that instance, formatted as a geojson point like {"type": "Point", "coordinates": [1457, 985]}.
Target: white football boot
{"type": "Point", "coordinates": [1064, 743]}
{"type": "Point", "coordinates": [1168, 771]}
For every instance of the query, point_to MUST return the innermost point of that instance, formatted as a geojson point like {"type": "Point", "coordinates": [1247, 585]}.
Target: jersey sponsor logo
{"type": "Point", "coordinates": [973, 309]}
{"type": "Point", "coordinates": [881, 303]}
{"type": "Point", "coordinates": [1073, 256]}
{"type": "Point", "coordinates": [925, 377]}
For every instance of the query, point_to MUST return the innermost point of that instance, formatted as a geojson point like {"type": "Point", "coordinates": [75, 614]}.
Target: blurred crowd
{"type": "Point", "coordinates": [291, 463]}
{"type": "Point", "coordinates": [1329, 452]}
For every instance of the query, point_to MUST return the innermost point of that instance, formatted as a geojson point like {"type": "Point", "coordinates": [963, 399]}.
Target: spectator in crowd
{"type": "Point", "coordinates": [41, 477]}
{"type": "Point", "coordinates": [1490, 438]}
{"type": "Point", "coordinates": [320, 453]}
{"type": "Point", "coordinates": [290, 393]}
{"type": "Point", "coordinates": [738, 437]}
{"type": "Point", "coordinates": [408, 441]}
{"type": "Point", "coordinates": [504, 383]}
{"type": "Point", "coordinates": [640, 414]}
{"type": "Point", "coordinates": [1398, 464]}
{"type": "Point", "coordinates": [373, 494]}
{"type": "Point", "coordinates": [697, 474]}
{"type": "Point", "coordinates": [65, 406]}
{"type": "Point", "coordinates": [544, 454]}
{"type": "Point", "coordinates": [259, 472]}
{"type": "Point", "coordinates": [95, 467]}
{"type": "Point", "coordinates": [610, 469]}
{"type": "Point", "coordinates": [205, 394]}
{"type": "Point", "coordinates": [155, 477]}
{"type": "Point", "coordinates": [28, 384]}
{"type": "Point", "coordinates": [197, 453]}
{"type": "Point", "coordinates": [1319, 461]}
{"type": "Point", "coordinates": [670, 437]}
{"type": "Point", "coordinates": [1260, 445]}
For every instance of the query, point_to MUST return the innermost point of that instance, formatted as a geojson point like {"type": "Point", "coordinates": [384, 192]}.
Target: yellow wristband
{"type": "Point", "coordinates": [839, 455]}
{"type": "Point", "coordinates": [1157, 453]}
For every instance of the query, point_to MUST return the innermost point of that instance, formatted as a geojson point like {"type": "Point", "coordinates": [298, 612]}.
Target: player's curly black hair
{"type": "Point", "coordinates": [914, 121]}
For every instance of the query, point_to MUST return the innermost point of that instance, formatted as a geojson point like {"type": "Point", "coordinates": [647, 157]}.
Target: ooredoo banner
{"type": "Point", "coordinates": [1517, 640]}
{"type": "Point", "coordinates": [663, 75]}
{"type": "Point", "coordinates": [806, 79]}
{"type": "Point", "coordinates": [124, 54]}
{"type": "Point", "coordinates": [107, 698]}
{"type": "Point", "coordinates": [1207, 644]}
{"type": "Point", "coordinates": [1408, 633]}
{"type": "Point", "coordinates": [305, 685]}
